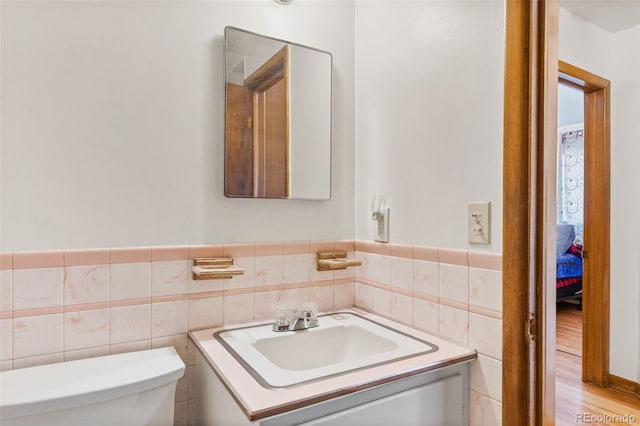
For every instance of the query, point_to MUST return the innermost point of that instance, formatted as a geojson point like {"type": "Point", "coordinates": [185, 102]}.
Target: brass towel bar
{"type": "Point", "coordinates": [335, 260]}
{"type": "Point", "coordinates": [216, 268]}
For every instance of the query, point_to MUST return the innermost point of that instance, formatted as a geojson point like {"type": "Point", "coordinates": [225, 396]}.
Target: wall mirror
{"type": "Point", "coordinates": [277, 118]}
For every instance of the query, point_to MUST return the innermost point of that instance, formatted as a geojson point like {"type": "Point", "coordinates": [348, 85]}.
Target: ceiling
{"type": "Point", "coordinates": [610, 15]}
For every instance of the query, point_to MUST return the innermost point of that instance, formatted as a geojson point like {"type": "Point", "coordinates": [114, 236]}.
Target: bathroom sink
{"type": "Point", "coordinates": [322, 347]}
{"type": "Point", "coordinates": [343, 342]}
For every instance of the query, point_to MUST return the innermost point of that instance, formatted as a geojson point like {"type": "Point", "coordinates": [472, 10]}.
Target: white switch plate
{"type": "Point", "coordinates": [478, 219]}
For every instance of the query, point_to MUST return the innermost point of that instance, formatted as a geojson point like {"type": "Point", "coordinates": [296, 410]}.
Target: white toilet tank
{"type": "Point", "coordinates": [135, 388]}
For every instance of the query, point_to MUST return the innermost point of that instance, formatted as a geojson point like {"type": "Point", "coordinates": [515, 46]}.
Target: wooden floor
{"type": "Point", "coordinates": [573, 397]}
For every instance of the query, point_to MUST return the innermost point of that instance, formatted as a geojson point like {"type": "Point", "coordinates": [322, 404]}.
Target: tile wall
{"type": "Point", "coordinates": [454, 294]}
{"type": "Point", "coordinates": [64, 305]}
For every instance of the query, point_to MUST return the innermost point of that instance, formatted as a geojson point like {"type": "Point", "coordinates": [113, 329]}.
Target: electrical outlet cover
{"type": "Point", "coordinates": [479, 220]}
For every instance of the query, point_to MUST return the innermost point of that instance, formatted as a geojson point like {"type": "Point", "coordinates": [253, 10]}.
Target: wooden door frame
{"type": "Point", "coordinates": [529, 180]}
{"type": "Point", "coordinates": [597, 216]}
{"type": "Point", "coordinates": [529, 216]}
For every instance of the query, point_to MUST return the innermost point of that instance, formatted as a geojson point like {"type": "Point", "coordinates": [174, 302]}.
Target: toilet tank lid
{"type": "Point", "coordinates": [71, 384]}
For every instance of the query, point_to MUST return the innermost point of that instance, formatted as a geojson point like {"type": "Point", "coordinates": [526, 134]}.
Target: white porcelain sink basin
{"type": "Point", "coordinates": [343, 342]}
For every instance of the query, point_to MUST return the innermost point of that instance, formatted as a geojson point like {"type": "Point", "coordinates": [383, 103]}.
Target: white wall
{"type": "Point", "coordinates": [113, 130]}
{"type": "Point", "coordinates": [429, 97]}
{"type": "Point", "coordinates": [625, 204]}
{"type": "Point", "coordinates": [570, 105]}
{"type": "Point", "coordinates": [617, 58]}
{"type": "Point", "coordinates": [583, 42]}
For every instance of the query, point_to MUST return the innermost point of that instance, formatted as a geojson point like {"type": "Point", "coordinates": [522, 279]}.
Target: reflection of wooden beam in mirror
{"type": "Point", "coordinates": [270, 142]}
{"type": "Point", "coordinates": [239, 145]}
{"type": "Point", "coordinates": [257, 132]}
{"type": "Point", "coordinates": [270, 87]}
{"type": "Point", "coordinates": [271, 72]}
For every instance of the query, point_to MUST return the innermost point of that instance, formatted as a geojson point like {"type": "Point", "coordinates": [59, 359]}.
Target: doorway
{"type": "Point", "coordinates": [595, 342]}
{"type": "Point", "coordinates": [569, 244]}
{"type": "Point", "coordinates": [530, 138]}
{"type": "Point", "coordinates": [583, 336]}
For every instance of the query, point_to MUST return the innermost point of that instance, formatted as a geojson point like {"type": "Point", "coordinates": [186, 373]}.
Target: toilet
{"type": "Point", "coordinates": [135, 388]}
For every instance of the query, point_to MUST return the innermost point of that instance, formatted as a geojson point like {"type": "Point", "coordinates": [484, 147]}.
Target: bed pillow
{"type": "Point", "coordinates": [565, 234]}
{"type": "Point", "coordinates": [579, 227]}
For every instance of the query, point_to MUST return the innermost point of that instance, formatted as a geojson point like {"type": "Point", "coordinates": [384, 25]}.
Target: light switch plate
{"type": "Point", "coordinates": [479, 219]}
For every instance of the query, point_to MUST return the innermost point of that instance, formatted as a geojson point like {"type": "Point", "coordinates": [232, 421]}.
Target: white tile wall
{"type": "Point", "coordinates": [426, 316]}
{"type": "Point", "coordinates": [205, 312]}
{"type": "Point", "coordinates": [86, 284]}
{"type": "Point", "coordinates": [344, 295]}
{"type": "Point", "coordinates": [454, 283]}
{"type": "Point", "coordinates": [323, 296]}
{"type": "Point", "coordinates": [169, 318]}
{"type": "Point", "coordinates": [238, 308]}
{"type": "Point", "coordinates": [130, 323]}
{"type": "Point", "coordinates": [6, 292]}
{"type": "Point", "coordinates": [295, 298]}
{"type": "Point", "coordinates": [485, 288]}
{"type": "Point", "coordinates": [379, 268]}
{"type": "Point", "coordinates": [454, 324]}
{"type": "Point", "coordinates": [382, 301]}
{"type": "Point", "coordinates": [37, 335]}
{"type": "Point", "coordinates": [486, 377]}
{"type": "Point", "coordinates": [37, 288]}
{"type": "Point", "coordinates": [402, 308]}
{"type": "Point", "coordinates": [444, 296]}
{"type": "Point", "coordinates": [33, 361]}
{"type": "Point", "coordinates": [364, 296]}
{"type": "Point", "coordinates": [485, 411]}
{"type": "Point", "coordinates": [485, 335]}
{"type": "Point", "coordinates": [6, 346]}
{"type": "Point", "coordinates": [265, 303]}
{"type": "Point", "coordinates": [402, 273]}
{"type": "Point", "coordinates": [296, 268]}
{"type": "Point", "coordinates": [86, 329]}
{"type": "Point", "coordinates": [269, 270]}
{"type": "Point", "coordinates": [87, 353]}
{"type": "Point", "coordinates": [168, 278]}
{"type": "Point", "coordinates": [138, 345]}
{"type": "Point", "coordinates": [426, 277]}
{"type": "Point", "coordinates": [130, 281]}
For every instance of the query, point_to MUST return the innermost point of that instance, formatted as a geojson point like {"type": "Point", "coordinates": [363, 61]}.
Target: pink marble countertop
{"type": "Point", "coordinates": [259, 402]}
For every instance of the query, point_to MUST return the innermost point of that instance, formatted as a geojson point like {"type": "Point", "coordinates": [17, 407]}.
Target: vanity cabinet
{"type": "Point", "coordinates": [436, 403]}
{"type": "Point", "coordinates": [356, 368]}
{"type": "Point", "coordinates": [439, 397]}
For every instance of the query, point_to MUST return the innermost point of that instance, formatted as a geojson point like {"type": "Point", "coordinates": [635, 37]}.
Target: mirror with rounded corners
{"type": "Point", "coordinates": [277, 118]}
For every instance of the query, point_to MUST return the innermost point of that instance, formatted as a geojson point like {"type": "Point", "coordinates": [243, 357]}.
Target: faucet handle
{"type": "Point", "coordinates": [311, 313]}
{"type": "Point", "coordinates": [282, 317]}
{"type": "Point", "coordinates": [311, 309]}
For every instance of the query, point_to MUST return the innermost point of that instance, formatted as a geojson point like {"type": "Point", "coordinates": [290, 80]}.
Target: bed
{"type": "Point", "coordinates": [568, 265]}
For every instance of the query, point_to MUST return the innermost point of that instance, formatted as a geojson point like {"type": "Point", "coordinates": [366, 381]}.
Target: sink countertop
{"type": "Point", "coordinates": [259, 402]}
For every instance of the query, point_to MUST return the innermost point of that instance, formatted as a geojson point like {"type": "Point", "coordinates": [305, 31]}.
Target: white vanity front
{"type": "Point", "coordinates": [355, 368]}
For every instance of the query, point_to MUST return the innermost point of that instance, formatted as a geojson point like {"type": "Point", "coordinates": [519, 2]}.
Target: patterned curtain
{"type": "Point", "coordinates": [571, 177]}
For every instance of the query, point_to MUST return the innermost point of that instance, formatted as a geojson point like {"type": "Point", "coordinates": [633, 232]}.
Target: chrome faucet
{"type": "Point", "coordinates": [303, 320]}
{"type": "Point", "coordinates": [296, 320]}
